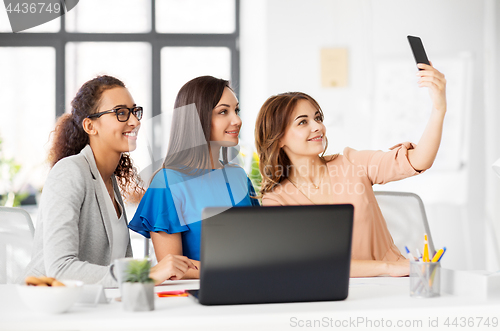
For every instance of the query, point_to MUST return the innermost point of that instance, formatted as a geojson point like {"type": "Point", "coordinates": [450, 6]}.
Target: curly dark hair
{"type": "Point", "coordinates": [69, 137]}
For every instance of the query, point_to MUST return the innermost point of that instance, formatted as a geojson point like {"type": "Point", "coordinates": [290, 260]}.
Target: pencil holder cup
{"type": "Point", "coordinates": [425, 279]}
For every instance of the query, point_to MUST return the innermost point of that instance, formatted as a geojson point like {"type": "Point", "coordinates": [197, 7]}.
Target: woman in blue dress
{"type": "Point", "coordinates": [205, 126]}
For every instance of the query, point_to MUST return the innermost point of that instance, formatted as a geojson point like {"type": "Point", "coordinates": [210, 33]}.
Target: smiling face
{"type": "Point", "coordinates": [305, 134]}
{"type": "Point", "coordinates": [110, 133]}
{"type": "Point", "coordinates": [226, 122]}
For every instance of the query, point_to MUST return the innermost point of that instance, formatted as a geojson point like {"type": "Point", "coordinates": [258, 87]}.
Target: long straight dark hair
{"type": "Point", "coordinates": [188, 148]}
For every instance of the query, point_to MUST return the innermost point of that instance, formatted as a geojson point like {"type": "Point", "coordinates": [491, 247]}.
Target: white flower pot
{"type": "Point", "coordinates": [138, 296]}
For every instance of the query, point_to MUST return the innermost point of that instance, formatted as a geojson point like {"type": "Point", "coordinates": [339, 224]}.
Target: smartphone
{"type": "Point", "coordinates": [418, 50]}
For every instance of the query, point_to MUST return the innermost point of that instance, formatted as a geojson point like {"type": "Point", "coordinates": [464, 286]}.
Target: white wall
{"type": "Point", "coordinates": [280, 46]}
{"type": "Point", "coordinates": [492, 102]}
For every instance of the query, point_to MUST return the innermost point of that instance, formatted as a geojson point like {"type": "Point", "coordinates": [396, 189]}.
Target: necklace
{"type": "Point", "coordinates": [315, 186]}
{"type": "Point", "coordinates": [307, 197]}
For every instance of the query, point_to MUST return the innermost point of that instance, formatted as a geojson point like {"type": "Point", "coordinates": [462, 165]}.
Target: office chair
{"type": "Point", "coordinates": [406, 219]}
{"type": "Point", "coordinates": [16, 242]}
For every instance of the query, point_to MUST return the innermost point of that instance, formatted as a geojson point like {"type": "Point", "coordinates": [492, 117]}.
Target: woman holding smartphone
{"type": "Point", "coordinates": [291, 141]}
{"type": "Point", "coordinates": [82, 226]}
{"type": "Point", "coordinates": [196, 172]}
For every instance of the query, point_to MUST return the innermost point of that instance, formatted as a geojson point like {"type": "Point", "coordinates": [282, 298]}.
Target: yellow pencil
{"type": "Point", "coordinates": [425, 257]}
{"type": "Point", "coordinates": [438, 255]}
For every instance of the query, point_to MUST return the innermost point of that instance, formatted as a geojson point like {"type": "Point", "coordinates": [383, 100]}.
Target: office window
{"type": "Point", "coordinates": [154, 46]}
{"type": "Point", "coordinates": [28, 112]}
{"type": "Point", "coordinates": [110, 16]}
{"type": "Point", "coordinates": [51, 26]}
{"type": "Point", "coordinates": [128, 61]}
{"type": "Point", "coordinates": [195, 16]}
{"type": "Point", "coordinates": [143, 42]}
{"type": "Point", "coordinates": [180, 65]}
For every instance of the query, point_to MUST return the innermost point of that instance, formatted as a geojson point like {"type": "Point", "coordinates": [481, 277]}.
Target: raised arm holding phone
{"type": "Point", "coordinates": [291, 143]}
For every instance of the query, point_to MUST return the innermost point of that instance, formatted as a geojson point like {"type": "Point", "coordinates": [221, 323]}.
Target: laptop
{"type": "Point", "coordinates": [274, 254]}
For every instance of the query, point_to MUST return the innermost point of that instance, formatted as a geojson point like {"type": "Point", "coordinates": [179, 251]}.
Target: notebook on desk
{"type": "Point", "coordinates": [275, 254]}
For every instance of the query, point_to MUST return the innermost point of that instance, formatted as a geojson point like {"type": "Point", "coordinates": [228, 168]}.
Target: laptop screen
{"type": "Point", "coordinates": [275, 254]}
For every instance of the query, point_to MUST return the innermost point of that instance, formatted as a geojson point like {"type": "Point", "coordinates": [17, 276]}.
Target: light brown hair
{"type": "Point", "coordinates": [272, 122]}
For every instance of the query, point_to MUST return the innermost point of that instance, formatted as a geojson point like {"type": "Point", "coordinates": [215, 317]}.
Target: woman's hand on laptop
{"type": "Point", "coordinates": [171, 267]}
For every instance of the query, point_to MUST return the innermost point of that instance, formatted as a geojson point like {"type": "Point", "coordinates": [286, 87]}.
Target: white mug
{"type": "Point", "coordinates": [118, 269]}
{"type": "Point", "coordinates": [496, 167]}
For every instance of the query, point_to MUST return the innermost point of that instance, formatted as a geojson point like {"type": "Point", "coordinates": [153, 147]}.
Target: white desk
{"type": "Point", "coordinates": [380, 300]}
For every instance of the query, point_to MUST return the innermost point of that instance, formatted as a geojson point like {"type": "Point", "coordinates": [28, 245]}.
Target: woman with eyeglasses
{"type": "Point", "coordinates": [196, 172]}
{"type": "Point", "coordinates": [82, 226]}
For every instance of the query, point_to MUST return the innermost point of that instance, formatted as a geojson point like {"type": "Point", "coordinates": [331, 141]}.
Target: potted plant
{"type": "Point", "coordinates": [138, 287]}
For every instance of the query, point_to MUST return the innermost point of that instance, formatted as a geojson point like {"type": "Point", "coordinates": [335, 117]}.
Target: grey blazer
{"type": "Point", "coordinates": [73, 237]}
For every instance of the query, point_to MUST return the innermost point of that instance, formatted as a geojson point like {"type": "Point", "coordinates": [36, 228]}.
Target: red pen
{"type": "Point", "coordinates": [165, 294]}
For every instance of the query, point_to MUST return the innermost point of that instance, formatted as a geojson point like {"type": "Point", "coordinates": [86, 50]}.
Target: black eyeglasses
{"type": "Point", "coordinates": [122, 113]}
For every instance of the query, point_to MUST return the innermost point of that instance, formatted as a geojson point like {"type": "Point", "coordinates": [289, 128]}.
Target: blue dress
{"type": "Point", "coordinates": [174, 201]}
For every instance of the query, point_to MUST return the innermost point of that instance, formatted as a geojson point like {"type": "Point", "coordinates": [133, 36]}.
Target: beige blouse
{"type": "Point", "coordinates": [352, 176]}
